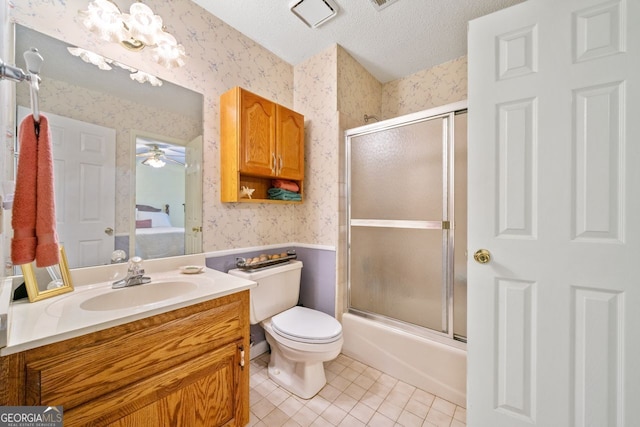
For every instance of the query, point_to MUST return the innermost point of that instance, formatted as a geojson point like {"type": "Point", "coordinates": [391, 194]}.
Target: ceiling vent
{"type": "Point", "coordinates": [381, 4]}
{"type": "Point", "coordinates": [314, 12]}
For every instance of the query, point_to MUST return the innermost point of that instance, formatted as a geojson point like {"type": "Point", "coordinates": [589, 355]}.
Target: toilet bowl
{"type": "Point", "coordinates": [301, 339]}
{"type": "Point", "coordinates": [299, 349]}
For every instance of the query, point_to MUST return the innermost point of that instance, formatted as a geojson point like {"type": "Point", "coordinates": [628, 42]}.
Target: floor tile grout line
{"type": "Point", "coordinates": [455, 415]}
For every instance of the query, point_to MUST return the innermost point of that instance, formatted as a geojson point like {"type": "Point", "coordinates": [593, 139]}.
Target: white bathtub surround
{"type": "Point", "coordinates": [432, 366]}
{"type": "Point", "coordinates": [83, 311]}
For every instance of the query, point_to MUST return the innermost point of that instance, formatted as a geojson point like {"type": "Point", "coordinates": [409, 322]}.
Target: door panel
{"type": "Point", "coordinates": [399, 173]}
{"type": "Point", "coordinates": [258, 127]}
{"type": "Point", "coordinates": [290, 135]}
{"type": "Point", "coordinates": [553, 90]}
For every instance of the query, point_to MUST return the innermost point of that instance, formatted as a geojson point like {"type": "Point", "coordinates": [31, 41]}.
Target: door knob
{"type": "Point", "coordinates": [108, 231]}
{"type": "Point", "coordinates": [482, 256]}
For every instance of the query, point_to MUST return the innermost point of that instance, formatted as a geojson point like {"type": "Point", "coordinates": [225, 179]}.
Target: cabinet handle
{"type": "Point", "coordinates": [280, 168]}
{"type": "Point", "coordinates": [274, 168]}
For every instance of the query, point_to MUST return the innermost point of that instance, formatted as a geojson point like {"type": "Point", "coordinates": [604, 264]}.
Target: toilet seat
{"type": "Point", "coordinates": [303, 324]}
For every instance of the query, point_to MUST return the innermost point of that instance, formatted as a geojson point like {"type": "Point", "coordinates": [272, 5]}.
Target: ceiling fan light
{"type": "Point", "coordinates": [154, 162]}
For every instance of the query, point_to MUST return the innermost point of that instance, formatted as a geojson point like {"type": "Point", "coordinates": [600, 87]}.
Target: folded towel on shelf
{"type": "Point", "coordinates": [34, 214]}
{"type": "Point", "coordinates": [285, 185]}
{"type": "Point", "coordinates": [281, 194]}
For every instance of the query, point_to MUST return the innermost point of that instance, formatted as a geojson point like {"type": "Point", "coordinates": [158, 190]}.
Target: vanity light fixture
{"type": "Point", "coordinates": [103, 63]}
{"type": "Point", "coordinates": [91, 58]}
{"type": "Point", "coordinates": [134, 30]}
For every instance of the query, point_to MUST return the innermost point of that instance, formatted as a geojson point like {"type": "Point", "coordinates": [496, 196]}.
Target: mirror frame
{"type": "Point", "coordinates": [31, 282]}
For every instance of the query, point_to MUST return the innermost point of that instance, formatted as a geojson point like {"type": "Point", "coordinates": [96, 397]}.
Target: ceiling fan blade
{"type": "Point", "coordinates": [172, 160]}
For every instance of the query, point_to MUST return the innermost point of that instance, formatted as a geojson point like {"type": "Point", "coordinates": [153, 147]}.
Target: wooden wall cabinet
{"type": "Point", "coordinates": [259, 141]}
{"type": "Point", "coordinates": [188, 367]}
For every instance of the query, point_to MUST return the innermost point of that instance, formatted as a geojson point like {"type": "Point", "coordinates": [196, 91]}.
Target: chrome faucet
{"type": "Point", "coordinates": [135, 275]}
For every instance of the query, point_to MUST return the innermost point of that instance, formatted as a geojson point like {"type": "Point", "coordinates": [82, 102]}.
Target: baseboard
{"type": "Point", "coordinates": [258, 348]}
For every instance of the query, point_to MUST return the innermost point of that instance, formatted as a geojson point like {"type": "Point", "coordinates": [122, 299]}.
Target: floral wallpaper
{"type": "Point", "coordinates": [359, 92]}
{"type": "Point", "coordinates": [440, 85]}
{"type": "Point", "coordinates": [331, 89]}
{"type": "Point", "coordinates": [315, 84]}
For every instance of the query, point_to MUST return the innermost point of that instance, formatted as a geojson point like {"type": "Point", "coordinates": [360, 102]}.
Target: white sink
{"type": "Point", "coordinates": [136, 296]}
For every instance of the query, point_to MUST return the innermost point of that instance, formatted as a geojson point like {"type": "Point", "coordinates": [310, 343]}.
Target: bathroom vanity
{"type": "Point", "coordinates": [184, 360]}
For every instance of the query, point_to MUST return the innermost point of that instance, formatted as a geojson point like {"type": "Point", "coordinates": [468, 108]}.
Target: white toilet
{"type": "Point", "coordinates": [301, 339]}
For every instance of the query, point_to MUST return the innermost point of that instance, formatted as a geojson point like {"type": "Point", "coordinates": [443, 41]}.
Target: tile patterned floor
{"type": "Point", "coordinates": [355, 395]}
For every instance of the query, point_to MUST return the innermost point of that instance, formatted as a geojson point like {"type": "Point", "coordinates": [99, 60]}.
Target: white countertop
{"type": "Point", "coordinates": [31, 325]}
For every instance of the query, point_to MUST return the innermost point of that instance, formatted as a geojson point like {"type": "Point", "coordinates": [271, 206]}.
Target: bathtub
{"type": "Point", "coordinates": [435, 367]}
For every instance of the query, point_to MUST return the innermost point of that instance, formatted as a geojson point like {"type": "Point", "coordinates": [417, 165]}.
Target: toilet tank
{"type": "Point", "coordinates": [278, 289]}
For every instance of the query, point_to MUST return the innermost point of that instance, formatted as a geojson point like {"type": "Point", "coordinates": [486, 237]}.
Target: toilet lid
{"type": "Point", "coordinates": [306, 325]}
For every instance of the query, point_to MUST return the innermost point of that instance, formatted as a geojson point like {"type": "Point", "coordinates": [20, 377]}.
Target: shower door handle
{"type": "Point", "coordinates": [482, 256]}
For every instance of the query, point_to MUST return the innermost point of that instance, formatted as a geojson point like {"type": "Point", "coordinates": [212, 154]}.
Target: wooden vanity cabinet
{"type": "Point", "coordinates": [259, 141]}
{"type": "Point", "coordinates": [188, 367]}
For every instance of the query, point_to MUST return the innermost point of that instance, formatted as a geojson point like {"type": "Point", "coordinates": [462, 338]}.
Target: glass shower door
{"type": "Point", "coordinates": [398, 191]}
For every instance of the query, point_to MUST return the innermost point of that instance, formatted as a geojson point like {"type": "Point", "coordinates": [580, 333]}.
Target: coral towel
{"type": "Point", "coordinates": [34, 214]}
{"type": "Point", "coordinates": [285, 185]}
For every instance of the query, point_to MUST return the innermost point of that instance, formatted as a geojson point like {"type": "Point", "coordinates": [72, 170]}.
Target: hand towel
{"type": "Point", "coordinates": [33, 220]}
{"type": "Point", "coordinates": [285, 184]}
{"type": "Point", "coordinates": [47, 249]}
{"type": "Point", "coordinates": [23, 221]}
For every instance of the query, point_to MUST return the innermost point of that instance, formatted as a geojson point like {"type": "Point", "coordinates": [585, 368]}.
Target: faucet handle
{"type": "Point", "coordinates": [118, 256]}
{"type": "Point", "coordinates": [135, 265]}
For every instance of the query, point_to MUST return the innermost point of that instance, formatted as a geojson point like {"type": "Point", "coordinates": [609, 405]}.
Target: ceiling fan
{"type": "Point", "coordinates": [157, 157]}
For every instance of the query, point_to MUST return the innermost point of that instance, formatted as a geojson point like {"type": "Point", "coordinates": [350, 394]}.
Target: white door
{"type": "Point", "coordinates": [84, 174]}
{"type": "Point", "coordinates": [193, 197]}
{"type": "Point", "coordinates": [554, 196]}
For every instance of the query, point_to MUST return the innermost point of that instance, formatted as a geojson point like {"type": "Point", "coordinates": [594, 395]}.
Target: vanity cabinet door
{"type": "Point", "coordinates": [202, 392]}
{"type": "Point", "coordinates": [290, 146]}
{"type": "Point", "coordinates": [257, 135]}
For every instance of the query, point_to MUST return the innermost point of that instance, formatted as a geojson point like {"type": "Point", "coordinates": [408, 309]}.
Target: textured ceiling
{"type": "Point", "coordinates": [399, 40]}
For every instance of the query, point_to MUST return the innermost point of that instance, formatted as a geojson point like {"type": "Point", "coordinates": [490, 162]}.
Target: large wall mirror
{"type": "Point", "coordinates": [108, 128]}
